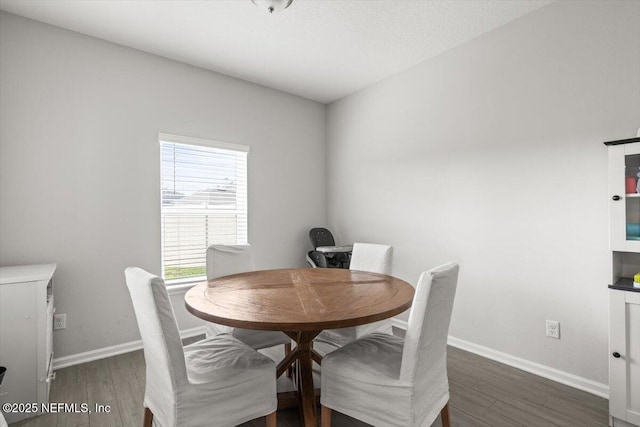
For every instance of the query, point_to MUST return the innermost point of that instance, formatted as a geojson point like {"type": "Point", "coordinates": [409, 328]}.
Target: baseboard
{"type": "Point", "coordinates": [553, 374]}
{"type": "Point", "coordinates": [402, 324]}
{"type": "Point", "coordinates": [114, 350]}
{"type": "Point", "coordinates": [562, 377]}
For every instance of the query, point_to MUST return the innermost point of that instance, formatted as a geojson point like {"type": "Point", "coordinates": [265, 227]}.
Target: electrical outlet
{"type": "Point", "coordinates": [59, 321]}
{"type": "Point", "coordinates": [553, 329]}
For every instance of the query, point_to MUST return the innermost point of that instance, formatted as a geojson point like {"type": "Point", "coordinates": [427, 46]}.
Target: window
{"type": "Point", "coordinates": [204, 202]}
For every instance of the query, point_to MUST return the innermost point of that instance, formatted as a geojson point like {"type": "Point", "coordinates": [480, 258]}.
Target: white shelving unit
{"type": "Point", "coordinates": [26, 335]}
{"type": "Point", "coordinates": [624, 297]}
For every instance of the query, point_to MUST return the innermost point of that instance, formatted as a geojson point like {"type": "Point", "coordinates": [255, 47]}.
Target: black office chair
{"type": "Point", "coordinates": [317, 259]}
{"type": "Point", "coordinates": [322, 237]}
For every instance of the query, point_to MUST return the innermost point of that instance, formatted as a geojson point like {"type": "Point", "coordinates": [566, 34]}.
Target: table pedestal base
{"type": "Point", "coordinates": [301, 358]}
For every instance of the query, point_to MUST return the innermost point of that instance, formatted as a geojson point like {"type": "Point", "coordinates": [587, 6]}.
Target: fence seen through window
{"type": "Point", "coordinates": [204, 201]}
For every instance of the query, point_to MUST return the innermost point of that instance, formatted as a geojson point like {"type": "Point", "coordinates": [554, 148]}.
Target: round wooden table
{"type": "Point", "coordinates": [301, 303]}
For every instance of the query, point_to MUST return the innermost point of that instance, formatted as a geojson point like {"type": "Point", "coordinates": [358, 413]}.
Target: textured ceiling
{"type": "Point", "coordinates": [317, 49]}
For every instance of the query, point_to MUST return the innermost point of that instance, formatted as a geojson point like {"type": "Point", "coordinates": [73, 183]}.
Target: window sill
{"type": "Point", "coordinates": [179, 287]}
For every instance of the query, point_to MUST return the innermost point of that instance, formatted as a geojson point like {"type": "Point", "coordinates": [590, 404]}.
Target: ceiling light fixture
{"type": "Point", "coordinates": [272, 5]}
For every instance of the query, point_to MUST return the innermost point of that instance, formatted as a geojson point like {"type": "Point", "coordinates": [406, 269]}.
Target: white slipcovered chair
{"type": "Point", "coordinates": [365, 257]}
{"type": "Point", "coordinates": [218, 380]}
{"type": "Point", "coordinates": [223, 260]}
{"type": "Point", "coordinates": [389, 381]}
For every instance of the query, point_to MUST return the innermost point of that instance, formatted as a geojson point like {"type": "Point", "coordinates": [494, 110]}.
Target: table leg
{"type": "Point", "coordinates": [306, 393]}
{"type": "Point", "coordinates": [285, 364]}
{"type": "Point", "coordinates": [316, 357]}
{"type": "Point", "coordinates": [304, 356]}
{"type": "Point", "coordinates": [287, 350]}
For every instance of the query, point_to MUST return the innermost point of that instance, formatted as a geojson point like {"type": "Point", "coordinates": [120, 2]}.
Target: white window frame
{"type": "Point", "coordinates": [243, 234]}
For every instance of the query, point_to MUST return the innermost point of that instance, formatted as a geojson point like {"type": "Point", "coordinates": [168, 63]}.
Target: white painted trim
{"type": "Point", "coordinates": [553, 374]}
{"type": "Point", "coordinates": [402, 324]}
{"type": "Point", "coordinates": [182, 288]}
{"type": "Point", "coordinates": [166, 137]}
{"type": "Point", "coordinates": [114, 350]}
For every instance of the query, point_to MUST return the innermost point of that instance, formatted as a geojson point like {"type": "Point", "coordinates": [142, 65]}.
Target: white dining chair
{"type": "Point", "coordinates": [218, 380]}
{"type": "Point", "coordinates": [365, 257]}
{"type": "Point", "coordinates": [386, 380]}
{"type": "Point", "coordinates": [224, 260]}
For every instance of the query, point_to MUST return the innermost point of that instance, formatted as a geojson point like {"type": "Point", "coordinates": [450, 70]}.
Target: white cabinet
{"type": "Point", "coordinates": [624, 367]}
{"type": "Point", "coordinates": [26, 335]}
{"type": "Point", "coordinates": [624, 167]}
{"type": "Point", "coordinates": [624, 304]}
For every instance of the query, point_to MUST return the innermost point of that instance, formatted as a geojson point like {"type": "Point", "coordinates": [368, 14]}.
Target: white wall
{"type": "Point", "coordinates": [491, 155]}
{"type": "Point", "coordinates": [80, 176]}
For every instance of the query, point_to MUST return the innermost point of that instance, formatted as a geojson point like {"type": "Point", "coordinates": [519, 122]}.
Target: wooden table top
{"type": "Point", "coordinates": [302, 299]}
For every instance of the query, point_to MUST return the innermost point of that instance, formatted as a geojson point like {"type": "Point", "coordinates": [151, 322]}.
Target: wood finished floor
{"type": "Point", "coordinates": [483, 393]}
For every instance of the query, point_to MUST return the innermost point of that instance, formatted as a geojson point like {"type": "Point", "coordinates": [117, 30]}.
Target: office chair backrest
{"type": "Point", "coordinates": [163, 354]}
{"type": "Point", "coordinates": [321, 237]}
{"type": "Point", "coordinates": [317, 259]}
{"type": "Point", "coordinates": [424, 354]}
{"type": "Point", "coordinates": [223, 260]}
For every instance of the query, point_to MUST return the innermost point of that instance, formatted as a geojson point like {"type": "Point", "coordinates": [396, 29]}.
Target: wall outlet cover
{"type": "Point", "coordinates": [59, 321]}
{"type": "Point", "coordinates": [553, 329]}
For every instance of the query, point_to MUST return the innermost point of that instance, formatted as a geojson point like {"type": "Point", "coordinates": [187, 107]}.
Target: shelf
{"type": "Point", "coordinates": [624, 284]}
{"type": "Point", "coordinates": [632, 195]}
{"type": "Point", "coordinates": [623, 141]}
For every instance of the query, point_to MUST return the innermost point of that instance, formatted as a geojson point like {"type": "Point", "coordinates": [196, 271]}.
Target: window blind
{"type": "Point", "coordinates": [204, 201]}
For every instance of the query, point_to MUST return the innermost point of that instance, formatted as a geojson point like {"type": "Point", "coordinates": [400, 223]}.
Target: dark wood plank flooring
{"type": "Point", "coordinates": [483, 393]}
